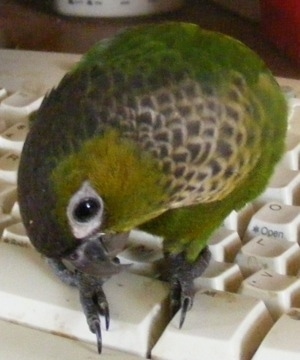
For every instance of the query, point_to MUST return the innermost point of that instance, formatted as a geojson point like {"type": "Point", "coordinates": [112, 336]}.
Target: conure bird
{"type": "Point", "coordinates": [165, 128]}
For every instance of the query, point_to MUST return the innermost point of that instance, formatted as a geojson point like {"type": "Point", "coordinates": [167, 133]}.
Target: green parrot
{"type": "Point", "coordinates": [164, 128]}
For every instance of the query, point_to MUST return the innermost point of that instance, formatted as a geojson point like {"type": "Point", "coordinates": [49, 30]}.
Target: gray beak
{"type": "Point", "coordinates": [97, 256]}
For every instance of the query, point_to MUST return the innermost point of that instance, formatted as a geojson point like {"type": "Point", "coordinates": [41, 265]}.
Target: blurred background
{"type": "Point", "coordinates": [269, 27]}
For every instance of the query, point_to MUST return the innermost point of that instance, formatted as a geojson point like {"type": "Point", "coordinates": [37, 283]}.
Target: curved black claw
{"type": "Point", "coordinates": [181, 274]}
{"type": "Point", "coordinates": [97, 330]}
{"type": "Point", "coordinates": [181, 294]}
{"type": "Point", "coordinates": [94, 304]}
{"type": "Point", "coordinates": [104, 309]}
{"type": "Point", "coordinates": [186, 305]}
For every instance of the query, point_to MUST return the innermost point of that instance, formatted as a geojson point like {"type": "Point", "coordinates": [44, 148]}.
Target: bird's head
{"type": "Point", "coordinates": [96, 251]}
{"type": "Point", "coordinates": [82, 207]}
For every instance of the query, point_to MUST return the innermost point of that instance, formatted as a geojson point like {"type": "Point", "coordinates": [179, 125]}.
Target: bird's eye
{"type": "Point", "coordinates": [86, 209]}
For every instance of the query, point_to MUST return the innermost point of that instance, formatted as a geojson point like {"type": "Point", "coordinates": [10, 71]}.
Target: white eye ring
{"type": "Point", "coordinates": [85, 211]}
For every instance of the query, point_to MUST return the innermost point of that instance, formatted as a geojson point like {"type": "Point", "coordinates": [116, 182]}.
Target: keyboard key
{"type": "Point", "coordinates": [294, 109]}
{"type": "Point", "coordinates": [220, 325]}
{"type": "Point", "coordinates": [294, 117]}
{"type": "Point", "coordinates": [8, 194]}
{"type": "Point", "coordinates": [220, 276]}
{"type": "Point", "coordinates": [30, 294]}
{"type": "Point", "coordinates": [15, 211]}
{"type": "Point", "coordinates": [15, 234]}
{"type": "Point", "coordinates": [291, 87]}
{"type": "Point", "coordinates": [264, 252]}
{"type": "Point", "coordinates": [22, 103]}
{"type": "Point", "coordinates": [279, 292]}
{"type": "Point", "coordinates": [224, 244]}
{"type": "Point", "coordinates": [284, 187]}
{"type": "Point", "coordinates": [4, 124]}
{"type": "Point", "coordinates": [275, 220]}
{"type": "Point", "coordinates": [282, 342]}
{"type": "Point", "coordinates": [23, 343]}
{"type": "Point", "coordinates": [3, 93]}
{"type": "Point", "coordinates": [13, 138]}
{"type": "Point", "coordinates": [239, 220]}
{"type": "Point", "coordinates": [143, 252]}
{"type": "Point", "coordinates": [9, 163]}
{"type": "Point", "coordinates": [292, 96]}
{"type": "Point", "coordinates": [291, 158]}
{"type": "Point", "coordinates": [5, 221]}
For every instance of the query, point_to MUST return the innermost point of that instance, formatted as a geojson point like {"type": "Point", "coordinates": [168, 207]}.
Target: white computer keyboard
{"type": "Point", "coordinates": [248, 300]}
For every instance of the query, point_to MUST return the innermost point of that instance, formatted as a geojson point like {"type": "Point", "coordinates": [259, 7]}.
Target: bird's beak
{"type": "Point", "coordinates": [97, 256]}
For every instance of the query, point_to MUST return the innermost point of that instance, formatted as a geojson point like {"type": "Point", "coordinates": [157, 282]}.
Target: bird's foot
{"type": "Point", "coordinates": [94, 304]}
{"type": "Point", "coordinates": [181, 274]}
{"type": "Point", "coordinates": [94, 261]}
{"type": "Point", "coordinates": [92, 296]}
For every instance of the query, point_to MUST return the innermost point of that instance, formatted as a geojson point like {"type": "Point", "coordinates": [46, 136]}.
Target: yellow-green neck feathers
{"type": "Point", "coordinates": [128, 181]}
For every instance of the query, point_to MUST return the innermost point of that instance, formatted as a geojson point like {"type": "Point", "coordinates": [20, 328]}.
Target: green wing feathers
{"type": "Point", "coordinates": [215, 121]}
